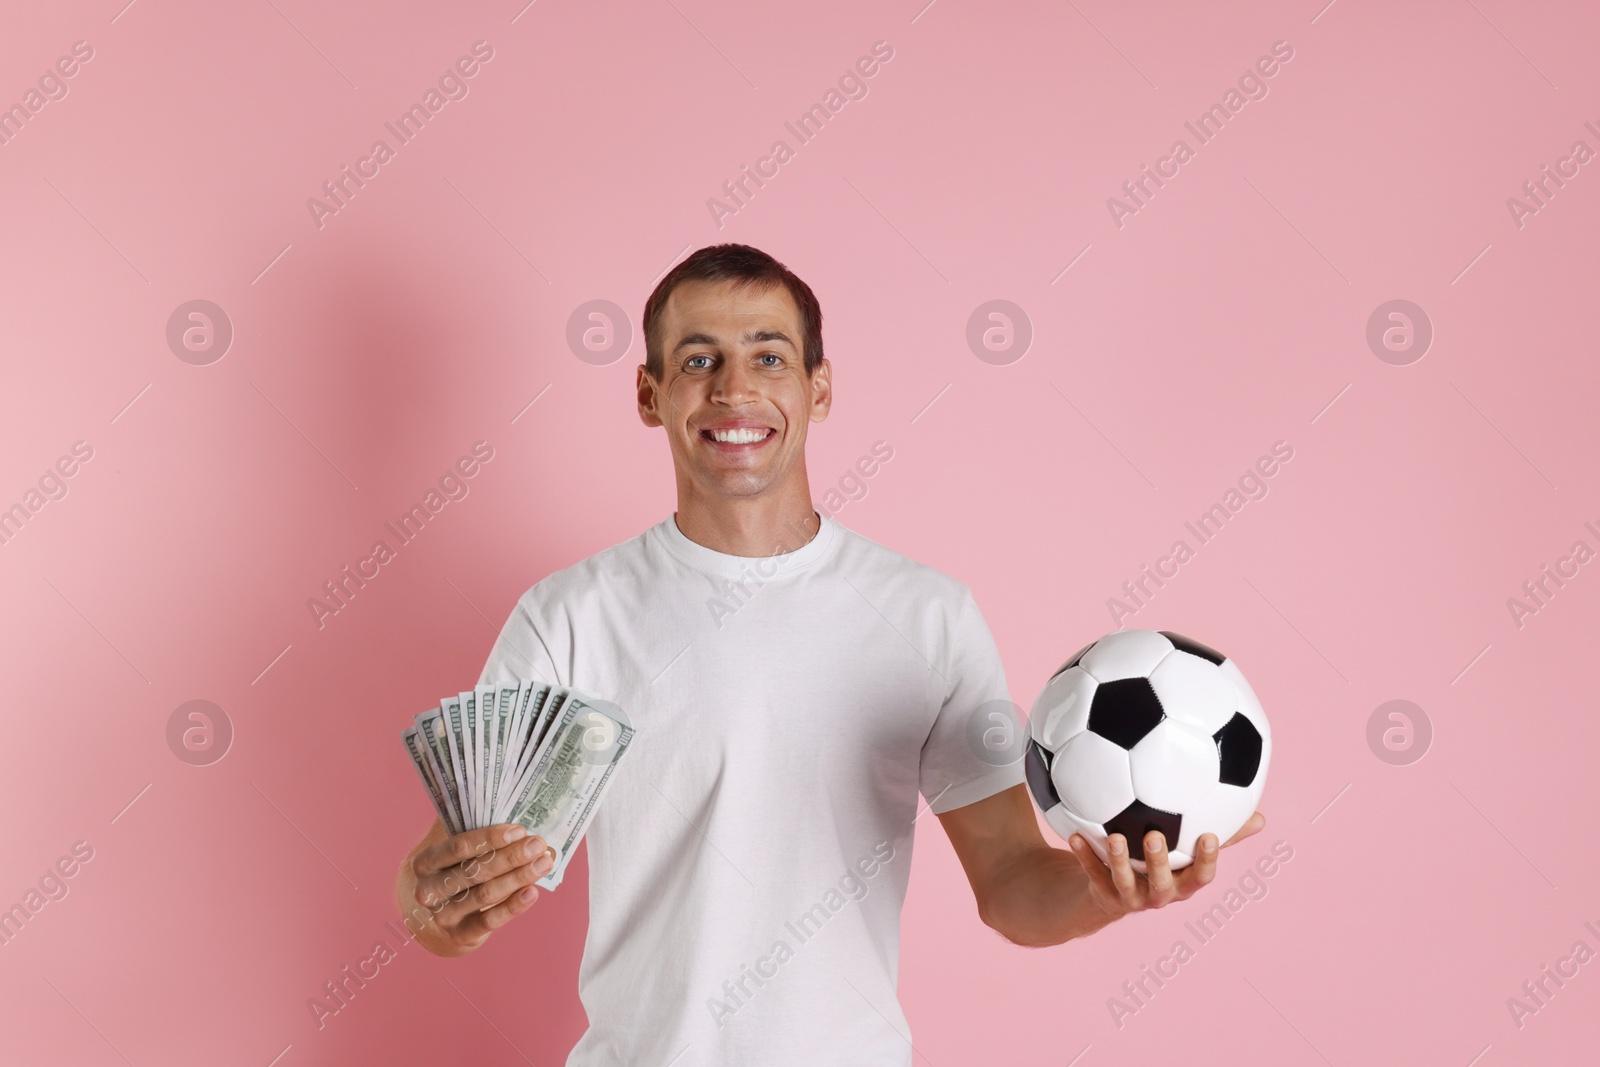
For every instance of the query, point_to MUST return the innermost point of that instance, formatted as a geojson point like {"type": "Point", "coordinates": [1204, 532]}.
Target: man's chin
{"type": "Point", "coordinates": [735, 484]}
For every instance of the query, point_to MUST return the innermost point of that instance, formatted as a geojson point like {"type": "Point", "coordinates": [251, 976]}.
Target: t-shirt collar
{"type": "Point", "coordinates": [711, 561]}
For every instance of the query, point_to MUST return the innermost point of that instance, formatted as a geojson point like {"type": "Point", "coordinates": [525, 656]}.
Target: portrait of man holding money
{"type": "Point", "coordinates": [788, 694]}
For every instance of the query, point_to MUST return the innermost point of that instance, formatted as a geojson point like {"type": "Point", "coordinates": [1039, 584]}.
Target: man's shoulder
{"type": "Point", "coordinates": [617, 563]}
{"type": "Point", "coordinates": [896, 571]}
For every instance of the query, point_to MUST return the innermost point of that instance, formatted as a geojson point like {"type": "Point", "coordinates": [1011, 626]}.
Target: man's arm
{"type": "Point", "coordinates": [1032, 894]}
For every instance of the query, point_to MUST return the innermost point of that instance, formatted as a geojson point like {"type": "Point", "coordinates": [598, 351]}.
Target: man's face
{"type": "Point", "coordinates": [734, 396]}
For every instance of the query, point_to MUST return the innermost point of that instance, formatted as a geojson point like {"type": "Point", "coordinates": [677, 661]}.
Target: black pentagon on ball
{"type": "Point", "coordinates": [1193, 647]}
{"type": "Point", "coordinates": [1138, 819]}
{"type": "Point", "coordinates": [1037, 765]}
{"type": "Point", "coordinates": [1239, 750]}
{"type": "Point", "coordinates": [1125, 710]}
{"type": "Point", "coordinates": [1073, 662]}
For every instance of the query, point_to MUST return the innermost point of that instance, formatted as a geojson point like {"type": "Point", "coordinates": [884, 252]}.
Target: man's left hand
{"type": "Point", "coordinates": [1118, 889]}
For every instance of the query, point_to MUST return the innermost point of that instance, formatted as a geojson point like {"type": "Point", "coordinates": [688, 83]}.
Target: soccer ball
{"type": "Point", "coordinates": [1147, 730]}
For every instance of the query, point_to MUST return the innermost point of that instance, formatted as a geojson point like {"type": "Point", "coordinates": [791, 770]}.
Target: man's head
{"type": "Point", "coordinates": [734, 372]}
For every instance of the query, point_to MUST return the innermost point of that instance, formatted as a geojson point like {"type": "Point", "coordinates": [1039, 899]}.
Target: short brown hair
{"type": "Point", "coordinates": [744, 266]}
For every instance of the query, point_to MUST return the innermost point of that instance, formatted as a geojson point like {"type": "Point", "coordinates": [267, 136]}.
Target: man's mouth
{"type": "Point", "coordinates": [737, 438]}
{"type": "Point", "coordinates": [744, 435]}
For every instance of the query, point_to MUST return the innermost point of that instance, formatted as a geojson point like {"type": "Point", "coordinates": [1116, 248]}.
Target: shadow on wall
{"type": "Point", "coordinates": [400, 379]}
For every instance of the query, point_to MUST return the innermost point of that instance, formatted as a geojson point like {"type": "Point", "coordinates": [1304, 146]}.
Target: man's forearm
{"type": "Point", "coordinates": [1043, 898]}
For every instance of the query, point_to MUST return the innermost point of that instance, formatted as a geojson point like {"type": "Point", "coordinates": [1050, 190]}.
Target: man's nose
{"type": "Point", "coordinates": [733, 383]}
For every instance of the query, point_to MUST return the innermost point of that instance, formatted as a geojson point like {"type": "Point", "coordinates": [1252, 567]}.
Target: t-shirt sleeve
{"type": "Point", "coordinates": [975, 747]}
{"type": "Point", "coordinates": [521, 651]}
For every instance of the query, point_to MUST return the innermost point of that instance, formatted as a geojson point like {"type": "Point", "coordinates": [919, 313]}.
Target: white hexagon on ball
{"type": "Point", "coordinates": [1062, 709]}
{"type": "Point", "coordinates": [1195, 690]}
{"type": "Point", "coordinates": [1173, 766]}
{"type": "Point", "coordinates": [1125, 654]}
{"type": "Point", "coordinates": [1091, 777]}
{"type": "Point", "coordinates": [1221, 811]}
{"type": "Point", "coordinates": [1249, 705]}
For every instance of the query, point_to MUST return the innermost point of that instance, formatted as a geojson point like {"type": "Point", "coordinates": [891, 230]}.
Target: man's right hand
{"type": "Point", "coordinates": [470, 885]}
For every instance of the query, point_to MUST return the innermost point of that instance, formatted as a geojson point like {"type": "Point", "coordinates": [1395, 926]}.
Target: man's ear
{"type": "Point", "coordinates": [821, 390]}
{"type": "Point", "coordinates": [648, 409]}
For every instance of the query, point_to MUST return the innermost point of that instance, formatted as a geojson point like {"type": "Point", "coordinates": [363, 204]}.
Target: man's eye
{"type": "Point", "coordinates": [691, 361]}
{"type": "Point", "coordinates": [777, 359]}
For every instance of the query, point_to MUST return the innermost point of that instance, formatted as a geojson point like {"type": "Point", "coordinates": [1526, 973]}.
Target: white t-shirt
{"type": "Point", "coordinates": [748, 866]}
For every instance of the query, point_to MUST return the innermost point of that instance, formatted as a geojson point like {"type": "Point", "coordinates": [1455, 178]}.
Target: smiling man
{"type": "Point", "coordinates": [747, 871]}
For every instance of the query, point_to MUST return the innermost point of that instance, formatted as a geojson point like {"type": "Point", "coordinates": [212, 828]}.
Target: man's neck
{"type": "Point", "coordinates": [749, 527]}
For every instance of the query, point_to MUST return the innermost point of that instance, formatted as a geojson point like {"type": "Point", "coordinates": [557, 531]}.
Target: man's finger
{"type": "Point", "coordinates": [1097, 871]}
{"type": "Point", "coordinates": [1122, 872]}
{"type": "Point", "coordinates": [435, 888]}
{"type": "Point", "coordinates": [1202, 870]}
{"type": "Point", "coordinates": [1253, 825]}
{"type": "Point", "coordinates": [481, 924]}
{"type": "Point", "coordinates": [1157, 870]}
{"type": "Point", "coordinates": [465, 846]}
{"type": "Point", "coordinates": [486, 895]}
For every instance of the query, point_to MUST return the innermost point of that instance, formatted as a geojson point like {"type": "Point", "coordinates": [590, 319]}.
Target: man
{"type": "Point", "coordinates": [795, 686]}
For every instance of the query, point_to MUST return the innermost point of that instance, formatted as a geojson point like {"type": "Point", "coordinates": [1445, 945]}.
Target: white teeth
{"type": "Point", "coordinates": [740, 436]}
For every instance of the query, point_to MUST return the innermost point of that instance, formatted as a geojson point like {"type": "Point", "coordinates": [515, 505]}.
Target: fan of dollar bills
{"type": "Point", "coordinates": [524, 752]}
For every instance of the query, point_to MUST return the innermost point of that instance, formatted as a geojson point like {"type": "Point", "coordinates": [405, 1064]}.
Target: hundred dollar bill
{"type": "Point", "coordinates": [529, 702]}
{"type": "Point", "coordinates": [431, 730]}
{"type": "Point", "coordinates": [555, 698]}
{"type": "Point", "coordinates": [470, 739]}
{"type": "Point", "coordinates": [505, 708]}
{"type": "Point", "coordinates": [438, 732]}
{"type": "Point", "coordinates": [548, 715]}
{"type": "Point", "coordinates": [409, 736]}
{"type": "Point", "coordinates": [569, 775]}
{"type": "Point", "coordinates": [430, 769]}
{"type": "Point", "coordinates": [456, 735]}
{"type": "Point", "coordinates": [469, 747]}
{"type": "Point", "coordinates": [485, 695]}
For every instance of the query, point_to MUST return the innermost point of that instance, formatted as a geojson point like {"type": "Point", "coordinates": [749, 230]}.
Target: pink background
{"type": "Point", "coordinates": [370, 353]}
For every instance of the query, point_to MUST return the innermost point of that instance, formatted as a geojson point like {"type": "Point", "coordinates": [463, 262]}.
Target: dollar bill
{"type": "Point", "coordinates": [568, 776]}
{"type": "Point", "coordinates": [431, 730]}
{"type": "Point", "coordinates": [456, 735]}
{"type": "Point", "coordinates": [529, 702]}
{"type": "Point", "coordinates": [411, 738]}
{"type": "Point", "coordinates": [469, 738]}
{"type": "Point", "coordinates": [537, 729]}
{"type": "Point", "coordinates": [505, 708]}
{"type": "Point", "coordinates": [525, 752]}
{"type": "Point", "coordinates": [547, 716]}
{"type": "Point", "coordinates": [469, 745]}
{"type": "Point", "coordinates": [485, 696]}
